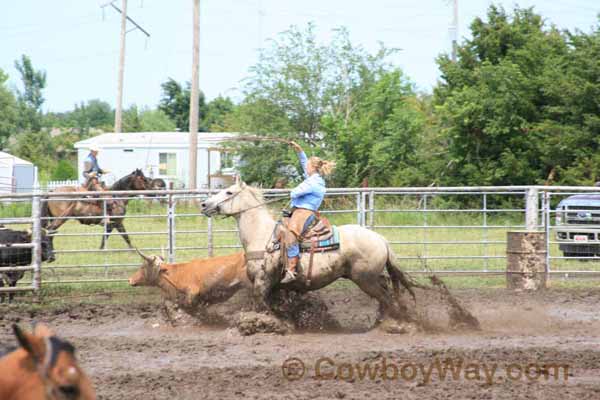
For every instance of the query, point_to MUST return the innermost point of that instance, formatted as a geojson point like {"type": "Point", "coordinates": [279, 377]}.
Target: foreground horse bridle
{"type": "Point", "coordinates": [54, 346]}
{"type": "Point", "coordinates": [246, 209]}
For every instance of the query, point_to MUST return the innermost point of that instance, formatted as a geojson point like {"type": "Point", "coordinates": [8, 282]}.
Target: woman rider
{"type": "Point", "coordinates": [306, 199]}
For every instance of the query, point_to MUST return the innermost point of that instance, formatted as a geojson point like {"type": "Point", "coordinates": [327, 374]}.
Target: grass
{"type": "Point", "coordinates": [429, 235]}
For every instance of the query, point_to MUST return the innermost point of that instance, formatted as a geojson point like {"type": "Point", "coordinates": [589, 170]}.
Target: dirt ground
{"type": "Point", "coordinates": [525, 342]}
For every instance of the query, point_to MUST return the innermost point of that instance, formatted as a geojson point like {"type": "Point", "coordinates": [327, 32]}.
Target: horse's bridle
{"type": "Point", "coordinates": [52, 391]}
{"type": "Point", "coordinates": [246, 209]}
{"type": "Point", "coordinates": [252, 255]}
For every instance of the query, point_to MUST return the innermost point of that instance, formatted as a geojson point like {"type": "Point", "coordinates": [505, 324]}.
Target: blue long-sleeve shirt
{"type": "Point", "coordinates": [310, 193]}
{"type": "Point", "coordinates": [90, 164]}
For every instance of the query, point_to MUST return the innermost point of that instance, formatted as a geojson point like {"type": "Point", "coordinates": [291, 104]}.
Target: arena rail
{"type": "Point", "coordinates": [457, 231]}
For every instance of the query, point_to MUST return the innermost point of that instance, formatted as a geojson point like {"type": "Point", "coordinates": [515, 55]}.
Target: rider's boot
{"type": "Point", "coordinates": [290, 273]}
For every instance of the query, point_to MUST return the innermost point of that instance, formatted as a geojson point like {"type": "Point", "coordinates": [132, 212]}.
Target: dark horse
{"type": "Point", "coordinates": [115, 207]}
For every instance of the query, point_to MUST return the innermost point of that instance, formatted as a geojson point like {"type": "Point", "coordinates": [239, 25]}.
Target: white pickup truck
{"type": "Point", "coordinates": [578, 225]}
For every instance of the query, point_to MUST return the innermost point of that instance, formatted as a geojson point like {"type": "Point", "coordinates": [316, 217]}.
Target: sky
{"type": "Point", "coordinates": [77, 42]}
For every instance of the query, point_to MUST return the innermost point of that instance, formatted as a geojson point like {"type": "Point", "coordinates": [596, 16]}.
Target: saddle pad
{"type": "Point", "coordinates": [332, 243]}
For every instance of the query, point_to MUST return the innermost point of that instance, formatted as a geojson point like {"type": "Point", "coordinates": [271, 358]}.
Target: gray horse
{"type": "Point", "coordinates": [362, 257]}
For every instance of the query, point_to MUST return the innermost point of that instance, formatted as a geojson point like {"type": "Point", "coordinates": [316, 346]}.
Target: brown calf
{"type": "Point", "coordinates": [43, 368]}
{"type": "Point", "coordinates": [201, 281]}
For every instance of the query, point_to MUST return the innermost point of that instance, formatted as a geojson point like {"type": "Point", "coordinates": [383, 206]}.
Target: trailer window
{"type": "Point", "coordinates": [167, 164]}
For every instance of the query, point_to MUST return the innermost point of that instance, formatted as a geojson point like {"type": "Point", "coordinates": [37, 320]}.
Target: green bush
{"type": "Point", "coordinates": [64, 170]}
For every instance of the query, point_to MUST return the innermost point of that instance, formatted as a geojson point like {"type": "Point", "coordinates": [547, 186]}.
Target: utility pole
{"type": "Point", "coordinates": [194, 98]}
{"type": "Point", "coordinates": [119, 106]}
{"type": "Point", "coordinates": [124, 31]}
{"type": "Point", "coordinates": [455, 30]}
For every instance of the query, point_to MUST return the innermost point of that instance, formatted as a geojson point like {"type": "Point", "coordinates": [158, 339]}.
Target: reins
{"type": "Point", "coordinates": [249, 208]}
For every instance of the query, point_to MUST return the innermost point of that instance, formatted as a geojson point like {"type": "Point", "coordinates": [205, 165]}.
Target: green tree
{"type": "Point", "coordinates": [216, 113]}
{"type": "Point", "coordinates": [520, 106]}
{"type": "Point", "coordinates": [36, 147]}
{"type": "Point", "coordinates": [94, 113]}
{"type": "Point", "coordinates": [64, 170]}
{"type": "Point", "coordinates": [156, 121]}
{"type": "Point", "coordinates": [304, 91]}
{"type": "Point", "coordinates": [131, 120]}
{"type": "Point", "coordinates": [175, 103]}
{"type": "Point", "coordinates": [379, 142]}
{"type": "Point", "coordinates": [8, 111]}
{"type": "Point", "coordinates": [31, 98]}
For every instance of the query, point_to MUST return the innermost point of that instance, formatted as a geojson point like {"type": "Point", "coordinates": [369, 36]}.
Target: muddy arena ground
{"type": "Point", "coordinates": [131, 352]}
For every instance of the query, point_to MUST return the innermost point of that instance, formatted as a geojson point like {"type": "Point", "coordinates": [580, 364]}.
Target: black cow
{"type": "Point", "coordinates": [16, 257]}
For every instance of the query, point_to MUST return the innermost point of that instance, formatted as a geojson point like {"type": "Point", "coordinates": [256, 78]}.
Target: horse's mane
{"type": "Point", "coordinates": [120, 184]}
{"type": "Point", "coordinates": [256, 192]}
{"type": "Point", "coordinates": [258, 195]}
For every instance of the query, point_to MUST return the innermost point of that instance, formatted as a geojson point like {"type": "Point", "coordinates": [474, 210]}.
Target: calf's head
{"type": "Point", "coordinates": [54, 360]}
{"type": "Point", "coordinates": [149, 272]}
{"type": "Point", "coordinates": [47, 243]}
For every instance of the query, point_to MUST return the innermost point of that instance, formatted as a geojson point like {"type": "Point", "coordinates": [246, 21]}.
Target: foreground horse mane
{"type": "Point", "coordinates": [256, 192]}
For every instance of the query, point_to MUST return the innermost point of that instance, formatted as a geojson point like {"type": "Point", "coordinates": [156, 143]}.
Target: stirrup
{"type": "Point", "coordinates": [290, 276]}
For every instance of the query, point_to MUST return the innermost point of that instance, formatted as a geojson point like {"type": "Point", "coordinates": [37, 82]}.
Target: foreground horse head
{"type": "Point", "coordinates": [44, 368]}
{"type": "Point", "coordinates": [232, 200]}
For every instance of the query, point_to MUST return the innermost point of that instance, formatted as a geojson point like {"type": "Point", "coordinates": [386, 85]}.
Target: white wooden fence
{"type": "Point", "coordinates": [54, 184]}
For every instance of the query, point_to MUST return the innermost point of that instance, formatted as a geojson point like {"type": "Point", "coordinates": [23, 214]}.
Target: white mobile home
{"type": "Point", "coordinates": [16, 175]}
{"type": "Point", "coordinates": [160, 155]}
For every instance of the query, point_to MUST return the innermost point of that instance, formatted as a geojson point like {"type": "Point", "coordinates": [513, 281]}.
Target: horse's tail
{"type": "Point", "coordinates": [397, 276]}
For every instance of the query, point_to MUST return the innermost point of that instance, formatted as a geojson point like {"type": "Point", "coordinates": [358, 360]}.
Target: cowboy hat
{"type": "Point", "coordinates": [94, 147]}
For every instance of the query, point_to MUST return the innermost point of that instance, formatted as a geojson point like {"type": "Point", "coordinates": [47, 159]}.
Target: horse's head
{"type": "Point", "coordinates": [232, 200]}
{"type": "Point", "coordinates": [149, 272]}
{"type": "Point", "coordinates": [137, 180]}
{"type": "Point", "coordinates": [157, 184]}
{"type": "Point", "coordinates": [55, 362]}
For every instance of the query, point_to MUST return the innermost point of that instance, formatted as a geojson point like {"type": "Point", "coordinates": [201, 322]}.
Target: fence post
{"type": "Point", "coordinates": [371, 209]}
{"type": "Point", "coordinates": [171, 227]}
{"type": "Point", "coordinates": [36, 239]}
{"type": "Point", "coordinates": [485, 234]}
{"type": "Point", "coordinates": [105, 218]}
{"type": "Point", "coordinates": [531, 209]}
{"type": "Point", "coordinates": [209, 236]}
{"type": "Point", "coordinates": [547, 223]}
{"type": "Point", "coordinates": [363, 209]}
{"type": "Point", "coordinates": [358, 209]}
